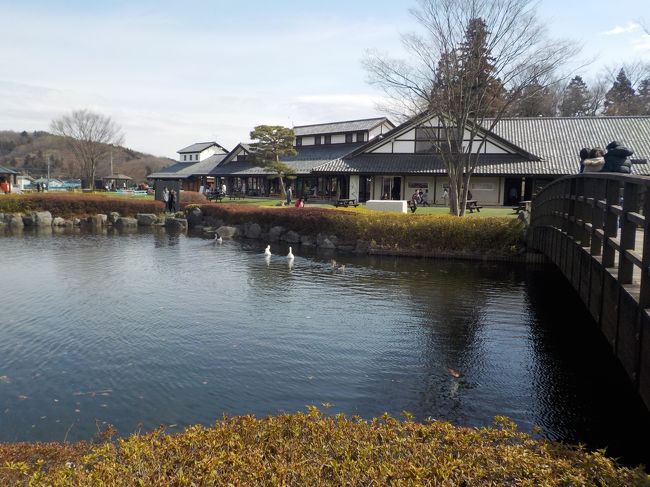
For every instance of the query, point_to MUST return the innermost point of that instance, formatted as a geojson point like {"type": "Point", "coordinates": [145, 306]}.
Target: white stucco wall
{"type": "Point", "coordinates": [485, 189]}
{"type": "Point", "coordinates": [399, 206]}
{"type": "Point", "coordinates": [338, 139]}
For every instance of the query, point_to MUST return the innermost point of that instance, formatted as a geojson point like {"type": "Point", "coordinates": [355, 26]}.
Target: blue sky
{"type": "Point", "coordinates": [172, 73]}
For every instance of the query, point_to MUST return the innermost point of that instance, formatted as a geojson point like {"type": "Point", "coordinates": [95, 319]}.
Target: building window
{"type": "Point", "coordinates": [184, 157]}
{"type": "Point", "coordinates": [361, 136]}
{"type": "Point", "coordinates": [298, 141]}
{"type": "Point", "coordinates": [348, 138]}
{"type": "Point", "coordinates": [317, 140]}
{"type": "Point", "coordinates": [328, 139]}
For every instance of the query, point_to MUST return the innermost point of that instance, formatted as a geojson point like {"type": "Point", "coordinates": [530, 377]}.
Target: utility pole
{"type": "Point", "coordinates": [111, 162]}
{"type": "Point", "coordinates": [49, 160]}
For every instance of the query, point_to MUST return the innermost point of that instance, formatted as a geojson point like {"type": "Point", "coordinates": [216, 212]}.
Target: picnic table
{"type": "Point", "coordinates": [523, 205]}
{"type": "Point", "coordinates": [346, 202]}
{"type": "Point", "coordinates": [472, 205]}
{"type": "Point", "coordinates": [215, 196]}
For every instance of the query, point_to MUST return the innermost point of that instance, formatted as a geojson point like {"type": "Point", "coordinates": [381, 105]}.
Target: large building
{"type": "Point", "coordinates": [193, 167]}
{"type": "Point", "coordinates": [372, 158]}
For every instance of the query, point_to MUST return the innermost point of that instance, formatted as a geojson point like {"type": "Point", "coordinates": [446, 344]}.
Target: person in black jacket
{"type": "Point", "coordinates": [616, 159]}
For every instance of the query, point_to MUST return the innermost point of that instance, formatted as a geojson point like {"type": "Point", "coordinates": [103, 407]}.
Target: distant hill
{"type": "Point", "coordinates": [30, 151]}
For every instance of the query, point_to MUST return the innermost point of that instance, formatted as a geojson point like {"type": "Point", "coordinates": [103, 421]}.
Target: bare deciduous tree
{"type": "Point", "coordinates": [89, 135]}
{"type": "Point", "coordinates": [474, 59]}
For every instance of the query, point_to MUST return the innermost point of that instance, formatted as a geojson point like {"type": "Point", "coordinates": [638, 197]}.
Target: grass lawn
{"type": "Point", "coordinates": [431, 210]}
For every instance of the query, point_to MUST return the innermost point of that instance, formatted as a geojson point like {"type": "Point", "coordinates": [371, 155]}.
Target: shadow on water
{"type": "Point", "coordinates": [582, 392]}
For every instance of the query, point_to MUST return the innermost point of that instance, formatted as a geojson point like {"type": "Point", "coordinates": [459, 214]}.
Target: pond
{"type": "Point", "coordinates": [154, 329]}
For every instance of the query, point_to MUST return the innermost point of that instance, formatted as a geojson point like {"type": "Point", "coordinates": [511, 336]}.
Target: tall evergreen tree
{"type": "Point", "coordinates": [643, 97]}
{"type": "Point", "coordinates": [620, 99]}
{"type": "Point", "coordinates": [477, 69]}
{"type": "Point", "coordinates": [534, 100]}
{"type": "Point", "coordinates": [576, 99]}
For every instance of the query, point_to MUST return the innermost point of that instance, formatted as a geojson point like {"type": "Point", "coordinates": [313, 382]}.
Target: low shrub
{"type": "Point", "coordinates": [192, 197]}
{"type": "Point", "coordinates": [313, 449]}
{"type": "Point", "coordinates": [67, 205]}
{"type": "Point", "coordinates": [409, 232]}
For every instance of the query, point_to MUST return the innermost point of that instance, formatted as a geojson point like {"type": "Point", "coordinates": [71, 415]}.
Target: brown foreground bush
{"type": "Point", "coordinates": [310, 449]}
{"type": "Point", "coordinates": [67, 205]}
{"type": "Point", "coordinates": [497, 235]}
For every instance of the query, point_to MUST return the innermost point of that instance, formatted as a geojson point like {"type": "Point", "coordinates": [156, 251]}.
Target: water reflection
{"type": "Point", "coordinates": [153, 327]}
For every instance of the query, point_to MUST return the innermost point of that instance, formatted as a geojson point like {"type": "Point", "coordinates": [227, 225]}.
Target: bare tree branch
{"type": "Point", "coordinates": [90, 136]}
{"type": "Point", "coordinates": [469, 90]}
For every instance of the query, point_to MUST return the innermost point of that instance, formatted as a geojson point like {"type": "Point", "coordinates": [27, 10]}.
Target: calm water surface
{"type": "Point", "coordinates": [152, 328]}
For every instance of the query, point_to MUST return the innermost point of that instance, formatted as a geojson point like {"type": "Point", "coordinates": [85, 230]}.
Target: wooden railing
{"type": "Point", "coordinates": [594, 228]}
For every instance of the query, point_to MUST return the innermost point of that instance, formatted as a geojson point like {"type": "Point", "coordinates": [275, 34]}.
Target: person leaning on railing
{"type": "Point", "coordinates": [616, 159]}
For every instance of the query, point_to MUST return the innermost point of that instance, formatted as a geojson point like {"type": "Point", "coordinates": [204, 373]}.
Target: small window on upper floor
{"type": "Point", "coordinates": [328, 139]}
{"type": "Point", "coordinates": [348, 138]}
{"type": "Point", "coordinates": [317, 140]}
{"type": "Point", "coordinates": [298, 141]}
{"type": "Point", "coordinates": [361, 136]}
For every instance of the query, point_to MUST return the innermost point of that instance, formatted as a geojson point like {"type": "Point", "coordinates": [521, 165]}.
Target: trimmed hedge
{"type": "Point", "coordinates": [67, 205]}
{"type": "Point", "coordinates": [313, 449]}
{"type": "Point", "coordinates": [386, 230]}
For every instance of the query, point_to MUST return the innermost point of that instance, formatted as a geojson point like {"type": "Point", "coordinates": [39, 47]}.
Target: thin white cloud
{"type": "Point", "coordinates": [630, 27]}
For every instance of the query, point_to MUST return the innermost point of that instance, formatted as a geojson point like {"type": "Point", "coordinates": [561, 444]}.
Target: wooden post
{"type": "Point", "coordinates": [644, 292]}
{"type": "Point", "coordinates": [611, 222]}
{"type": "Point", "coordinates": [628, 232]}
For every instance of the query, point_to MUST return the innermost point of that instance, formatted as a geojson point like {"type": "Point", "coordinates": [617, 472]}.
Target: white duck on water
{"type": "Point", "coordinates": [267, 250]}
{"type": "Point", "coordinates": [290, 254]}
{"type": "Point", "coordinates": [217, 238]}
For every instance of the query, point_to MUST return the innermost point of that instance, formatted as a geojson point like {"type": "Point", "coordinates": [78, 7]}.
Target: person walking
{"type": "Point", "coordinates": [172, 201]}
{"type": "Point", "coordinates": [165, 198]}
{"type": "Point", "coordinates": [445, 196]}
{"type": "Point", "coordinates": [289, 194]}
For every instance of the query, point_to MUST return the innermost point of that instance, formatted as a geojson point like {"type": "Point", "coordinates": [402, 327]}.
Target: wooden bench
{"type": "Point", "coordinates": [522, 206]}
{"type": "Point", "coordinates": [214, 196]}
{"type": "Point", "coordinates": [237, 195]}
{"type": "Point", "coordinates": [472, 205]}
{"type": "Point", "coordinates": [346, 202]}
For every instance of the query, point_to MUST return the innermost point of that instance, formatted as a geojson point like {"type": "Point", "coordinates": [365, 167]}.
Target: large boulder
{"type": "Point", "coordinates": [38, 219]}
{"type": "Point", "coordinates": [307, 241]}
{"type": "Point", "coordinates": [28, 220]}
{"type": "Point", "coordinates": [291, 237]}
{"type": "Point", "coordinates": [253, 230]}
{"type": "Point", "coordinates": [60, 222]}
{"type": "Point", "coordinates": [146, 219]}
{"type": "Point", "coordinates": [14, 220]}
{"type": "Point", "coordinates": [362, 247]}
{"type": "Point", "coordinates": [113, 216]}
{"type": "Point", "coordinates": [326, 243]}
{"type": "Point", "coordinates": [226, 231]}
{"type": "Point", "coordinates": [126, 222]}
{"type": "Point", "coordinates": [195, 217]}
{"type": "Point", "coordinates": [178, 224]}
{"type": "Point", "coordinates": [97, 221]}
{"type": "Point", "coordinates": [275, 233]}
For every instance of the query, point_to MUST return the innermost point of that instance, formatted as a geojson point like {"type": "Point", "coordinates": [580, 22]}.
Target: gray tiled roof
{"type": "Point", "coordinates": [183, 170]}
{"type": "Point", "coordinates": [308, 158]}
{"type": "Point", "coordinates": [558, 140]}
{"type": "Point", "coordinates": [426, 164]}
{"type": "Point", "coordinates": [6, 170]}
{"type": "Point", "coordinates": [198, 147]}
{"type": "Point", "coordinates": [339, 127]}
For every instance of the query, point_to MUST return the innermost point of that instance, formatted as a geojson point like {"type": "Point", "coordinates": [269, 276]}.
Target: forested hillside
{"type": "Point", "coordinates": [30, 152]}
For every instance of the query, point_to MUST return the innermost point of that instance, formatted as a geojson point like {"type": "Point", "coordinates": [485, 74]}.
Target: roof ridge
{"type": "Point", "coordinates": [341, 121]}
{"type": "Point", "coordinates": [596, 117]}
